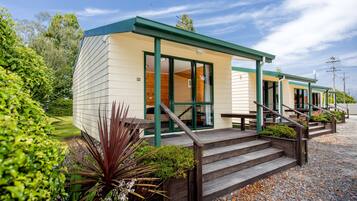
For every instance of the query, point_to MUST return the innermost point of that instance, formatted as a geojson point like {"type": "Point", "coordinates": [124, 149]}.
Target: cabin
{"type": "Point", "coordinates": [286, 94]}
{"type": "Point", "coordinates": [178, 85]}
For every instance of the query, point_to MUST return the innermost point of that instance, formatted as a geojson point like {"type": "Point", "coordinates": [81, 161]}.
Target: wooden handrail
{"type": "Point", "coordinates": [182, 125]}
{"type": "Point", "coordinates": [296, 111]}
{"type": "Point", "coordinates": [279, 115]}
{"type": "Point", "coordinates": [299, 133]}
{"type": "Point", "coordinates": [322, 109]}
{"type": "Point", "coordinates": [197, 151]}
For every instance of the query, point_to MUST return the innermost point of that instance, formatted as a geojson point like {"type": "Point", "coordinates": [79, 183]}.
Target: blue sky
{"type": "Point", "coordinates": [302, 34]}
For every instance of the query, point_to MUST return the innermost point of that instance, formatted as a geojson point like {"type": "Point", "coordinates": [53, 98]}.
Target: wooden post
{"type": "Point", "coordinates": [326, 99]}
{"type": "Point", "coordinates": [242, 124]}
{"type": "Point", "coordinates": [198, 173]}
{"type": "Point", "coordinates": [259, 77]}
{"type": "Point", "coordinates": [298, 146]}
{"type": "Point", "coordinates": [333, 125]}
{"type": "Point", "coordinates": [310, 99]}
{"type": "Point", "coordinates": [157, 91]}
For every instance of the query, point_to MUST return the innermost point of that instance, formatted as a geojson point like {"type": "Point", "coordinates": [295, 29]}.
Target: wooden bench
{"type": "Point", "coordinates": [241, 116]}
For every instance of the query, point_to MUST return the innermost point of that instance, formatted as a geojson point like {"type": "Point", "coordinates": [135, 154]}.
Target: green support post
{"type": "Point", "coordinates": [259, 74]}
{"type": "Point", "coordinates": [157, 91]}
{"type": "Point", "coordinates": [310, 99]}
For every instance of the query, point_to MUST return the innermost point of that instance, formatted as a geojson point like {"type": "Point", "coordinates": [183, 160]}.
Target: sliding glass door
{"type": "Point", "coordinates": [186, 88]}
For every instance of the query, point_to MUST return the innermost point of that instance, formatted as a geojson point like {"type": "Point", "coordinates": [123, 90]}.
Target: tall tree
{"type": "Point", "coordinates": [185, 22]}
{"type": "Point", "coordinates": [19, 59]}
{"type": "Point", "coordinates": [58, 44]}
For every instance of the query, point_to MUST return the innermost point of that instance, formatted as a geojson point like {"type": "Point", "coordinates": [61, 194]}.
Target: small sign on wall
{"type": "Point", "coordinates": [189, 83]}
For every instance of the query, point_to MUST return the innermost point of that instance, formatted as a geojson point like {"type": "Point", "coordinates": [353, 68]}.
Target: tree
{"type": "Point", "coordinates": [17, 58]}
{"type": "Point", "coordinates": [185, 22]}
{"type": "Point", "coordinates": [341, 97]}
{"type": "Point", "coordinates": [58, 45]}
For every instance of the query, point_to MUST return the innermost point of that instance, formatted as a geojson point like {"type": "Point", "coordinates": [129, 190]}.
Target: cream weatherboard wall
{"type": "Point", "coordinates": [111, 68]}
{"type": "Point", "coordinates": [90, 83]}
{"type": "Point", "coordinates": [244, 92]}
{"type": "Point", "coordinates": [240, 92]}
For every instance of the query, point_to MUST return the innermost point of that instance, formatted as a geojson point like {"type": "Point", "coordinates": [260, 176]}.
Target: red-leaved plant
{"type": "Point", "coordinates": [109, 169]}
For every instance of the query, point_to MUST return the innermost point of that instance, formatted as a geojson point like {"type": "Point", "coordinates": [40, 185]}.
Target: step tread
{"type": "Point", "coordinates": [234, 179]}
{"type": "Point", "coordinates": [220, 150]}
{"type": "Point", "coordinates": [316, 127]}
{"type": "Point", "coordinates": [320, 131]}
{"type": "Point", "coordinates": [225, 163]}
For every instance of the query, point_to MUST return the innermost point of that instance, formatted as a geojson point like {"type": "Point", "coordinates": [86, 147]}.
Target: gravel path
{"type": "Point", "coordinates": [331, 173]}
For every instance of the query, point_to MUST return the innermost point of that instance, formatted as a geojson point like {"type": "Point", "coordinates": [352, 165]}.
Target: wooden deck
{"type": "Point", "coordinates": [207, 137]}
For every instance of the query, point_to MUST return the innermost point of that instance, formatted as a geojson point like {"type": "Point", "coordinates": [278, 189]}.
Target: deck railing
{"type": "Point", "coordinates": [197, 150]}
{"type": "Point", "coordinates": [298, 113]}
{"type": "Point", "coordinates": [300, 130]}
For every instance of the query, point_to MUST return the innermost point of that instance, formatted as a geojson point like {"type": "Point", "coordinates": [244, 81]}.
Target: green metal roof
{"type": "Point", "coordinates": [314, 87]}
{"type": "Point", "coordinates": [152, 28]}
{"type": "Point", "coordinates": [276, 74]}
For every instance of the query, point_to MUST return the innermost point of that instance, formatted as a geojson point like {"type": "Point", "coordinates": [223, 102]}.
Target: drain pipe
{"type": "Point", "coordinates": [281, 97]}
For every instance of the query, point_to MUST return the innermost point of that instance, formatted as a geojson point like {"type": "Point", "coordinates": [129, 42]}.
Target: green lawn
{"type": "Point", "coordinates": [64, 128]}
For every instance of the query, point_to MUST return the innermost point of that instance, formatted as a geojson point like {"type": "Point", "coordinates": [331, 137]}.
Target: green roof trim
{"type": "Point", "coordinates": [152, 28]}
{"type": "Point", "coordinates": [276, 74]}
{"type": "Point", "coordinates": [314, 87]}
{"type": "Point", "coordinates": [251, 70]}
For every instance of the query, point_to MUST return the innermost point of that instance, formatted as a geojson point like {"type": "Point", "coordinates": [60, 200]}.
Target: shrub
{"type": "Point", "coordinates": [322, 117]}
{"type": "Point", "coordinates": [279, 130]}
{"type": "Point", "coordinates": [60, 107]}
{"type": "Point", "coordinates": [17, 58]}
{"type": "Point", "coordinates": [29, 159]}
{"type": "Point", "coordinates": [109, 170]}
{"type": "Point", "coordinates": [171, 161]}
{"type": "Point", "coordinates": [338, 114]}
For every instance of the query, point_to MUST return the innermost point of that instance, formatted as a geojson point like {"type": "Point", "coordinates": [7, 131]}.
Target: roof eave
{"type": "Point", "coordinates": [151, 28]}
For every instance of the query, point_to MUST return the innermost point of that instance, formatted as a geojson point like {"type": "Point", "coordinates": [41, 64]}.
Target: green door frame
{"type": "Point", "coordinates": [194, 103]}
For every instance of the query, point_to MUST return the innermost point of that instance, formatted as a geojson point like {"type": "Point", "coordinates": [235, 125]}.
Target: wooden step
{"type": "Point", "coordinates": [232, 182]}
{"type": "Point", "coordinates": [315, 128]}
{"type": "Point", "coordinates": [219, 153]}
{"type": "Point", "coordinates": [227, 166]}
{"type": "Point", "coordinates": [239, 138]}
{"type": "Point", "coordinates": [313, 123]}
{"type": "Point", "coordinates": [319, 132]}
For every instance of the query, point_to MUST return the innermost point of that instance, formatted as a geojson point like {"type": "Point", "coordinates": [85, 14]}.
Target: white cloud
{"type": "Point", "coordinates": [319, 23]}
{"type": "Point", "coordinates": [90, 12]}
{"type": "Point", "coordinates": [191, 9]}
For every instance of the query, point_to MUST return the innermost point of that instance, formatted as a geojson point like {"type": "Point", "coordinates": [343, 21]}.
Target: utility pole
{"type": "Point", "coordinates": [344, 90]}
{"type": "Point", "coordinates": [333, 69]}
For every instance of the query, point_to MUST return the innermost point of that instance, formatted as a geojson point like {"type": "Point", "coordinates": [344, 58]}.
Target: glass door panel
{"type": "Point", "coordinates": [203, 83]}
{"type": "Point", "coordinates": [204, 115]}
{"type": "Point", "coordinates": [149, 90]}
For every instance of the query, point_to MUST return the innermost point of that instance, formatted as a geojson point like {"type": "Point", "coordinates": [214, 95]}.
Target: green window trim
{"type": "Point", "coordinates": [194, 103]}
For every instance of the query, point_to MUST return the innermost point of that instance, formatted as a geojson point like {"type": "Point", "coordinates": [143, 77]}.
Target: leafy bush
{"type": "Point", "coordinates": [322, 117]}
{"type": "Point", "coordinates": [171, 161]}
{"type": "Point", "coordinates": [60, 107]}
{"type": "Point", "coordinates": [30, 67]}
{"type": "Point", "coordinates": [338, 114]}
{"type": "Point", "coordinates": [279, 130]}
{"type": "Point", "coordinates": [29, 159]}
